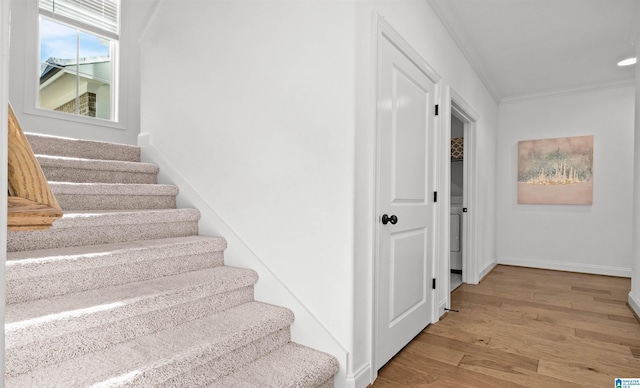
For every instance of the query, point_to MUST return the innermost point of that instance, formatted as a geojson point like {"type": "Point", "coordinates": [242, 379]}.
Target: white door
{"type": "Point", "coordinates": [406, 149]}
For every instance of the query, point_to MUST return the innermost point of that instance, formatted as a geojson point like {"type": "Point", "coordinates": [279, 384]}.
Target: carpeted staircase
{"type": "Point", "coordinates": [122, 291]}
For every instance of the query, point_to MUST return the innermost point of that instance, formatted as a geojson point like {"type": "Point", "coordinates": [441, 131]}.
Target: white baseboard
{"type": "Point", "coordinates": [571, 267]}
{"type": "Point", "coordinates": [441, 309]}
{"type": "Point", "coordinates": [634, 304]}
{"type": "Point", "coordinates": [144, 139]}
{"type": "Point", "coordinates": [486, 271]}
{"type": "Point", "coordinates": [360, 378]}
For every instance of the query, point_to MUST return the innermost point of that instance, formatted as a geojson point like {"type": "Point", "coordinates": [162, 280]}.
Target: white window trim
{"type": "Point", "coordinates": [31, 85]}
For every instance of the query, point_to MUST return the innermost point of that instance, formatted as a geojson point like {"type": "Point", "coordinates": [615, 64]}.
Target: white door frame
{"type": "Point", "coordinates": [456, 105]}
{"type": "Point", "coordinates": [386, 31]}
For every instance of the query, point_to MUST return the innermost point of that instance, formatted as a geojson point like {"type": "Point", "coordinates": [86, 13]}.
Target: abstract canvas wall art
{"type": "Point", "coordinates": [556, 171]}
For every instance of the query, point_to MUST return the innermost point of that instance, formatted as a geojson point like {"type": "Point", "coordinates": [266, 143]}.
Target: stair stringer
{"type": "Point", "coordinates": [306, 329]}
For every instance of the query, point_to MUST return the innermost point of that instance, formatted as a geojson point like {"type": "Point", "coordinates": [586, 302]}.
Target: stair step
{"type": "Point", "coordinates": [122, 291]}
{"type": "Point", "coordinates": [292, 365]}
{"type": "Point", "coordinates": [192, 354]}
{"type": "Point", "coordinates": [113, 196]}
{"type": "Point", "coordinates": [76, 324]}
{"type": "Point", "coordinates": [106, 227]}
{"type": "Point", "coordinates": [65, 169]}
{"type": "Point", "coordinates": [32, 275]}
{"type": "Point", "coordinates": [87, 149]}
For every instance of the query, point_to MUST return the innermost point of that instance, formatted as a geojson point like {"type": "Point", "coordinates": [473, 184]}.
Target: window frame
{"type": "Point", "coordinates": [32, 78]}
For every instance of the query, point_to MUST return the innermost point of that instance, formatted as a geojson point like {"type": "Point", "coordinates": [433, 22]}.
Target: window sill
{"type": "Point", "coordinates": [98, 122]}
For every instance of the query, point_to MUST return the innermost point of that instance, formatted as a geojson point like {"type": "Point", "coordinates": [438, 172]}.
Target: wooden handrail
{"type": "Point", "coordinates": [31, 204]}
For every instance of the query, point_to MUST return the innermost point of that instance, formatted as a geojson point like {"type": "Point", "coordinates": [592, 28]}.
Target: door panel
{"type": "Point", "coordinates": [406, 273]}
{"type": "Point", "coordinates": [405, 177]}
{"type": "Point", "coordinates": [408, 178]}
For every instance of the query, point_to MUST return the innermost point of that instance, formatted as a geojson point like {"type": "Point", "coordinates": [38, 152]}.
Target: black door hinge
{"type": "Point", "coordinates": [436, 109]}
{"type": "Point", "coordinates": [434, 284]}
{"type": "Point", "coordinates": [435, 196]}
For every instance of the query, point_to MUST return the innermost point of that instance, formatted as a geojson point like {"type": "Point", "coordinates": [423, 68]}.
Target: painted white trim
{"type": "Point", "coordinates": [5, 22]}
{"type": "Point", "coordinates": [144, 139]}
{"type": "Point", "coordinates": [634, 304]}
{"type": "Point", "coordinates": [570, 267]}
{"type": "Point", "coordinates": [462, 109]}
{"type": "Point", "coordinates": [386, 30]}
{"type": "Point", "coordinates": [486, 270]}
{"type": "Point", "coordinates": [468, 115]}
{"type": "Point", "coordinates": [443, 265]}
{"type": "Point", "coordinates": [447, 302]}
{"type": "Point", "coordinates": [307, 329]}
{"type": "Point", "coordinates": [373, 210]}
{"type": "Point", "coordinates": [90, 121]}
{"type": "Point", "coordinates": [359, 378]}
{"type": "Point", "coordinates": [568, 92]}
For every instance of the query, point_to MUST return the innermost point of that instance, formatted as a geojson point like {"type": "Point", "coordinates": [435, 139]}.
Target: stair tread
{"type": "Point", "coordinates": [72, 255]}
{"type": "Point", "coordinates": [291, 365]}
{"type": "Point", "coordinates": [112, 188]}
{"type": "Point", "coordinates": [124, 293]}
{"type": "Point", "coordinates": [95, 164]}
{"type": "Point", "coordinates": [160, 310]}
{"type": "Point", "coordinates": [167, 352]}
{"type": "Point", "coordinates": [41, 274]}
{"type": "Point", "coordinates": [82, 218]}
{"type": "Point", "coordinates": [63, 146]}
{"type": "Point", "coordinates": [96, 227]}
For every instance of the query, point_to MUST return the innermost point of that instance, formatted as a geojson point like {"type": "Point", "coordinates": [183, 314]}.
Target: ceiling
{"type": "Point", "coordinates": [533, 47]}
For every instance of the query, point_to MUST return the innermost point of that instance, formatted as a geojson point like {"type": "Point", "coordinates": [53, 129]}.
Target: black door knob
{"type": "Point", "coordinates": [386, 219]}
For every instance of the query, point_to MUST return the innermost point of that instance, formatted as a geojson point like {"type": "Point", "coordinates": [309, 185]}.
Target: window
{"type": "Point", "coordinates": [78, 51]}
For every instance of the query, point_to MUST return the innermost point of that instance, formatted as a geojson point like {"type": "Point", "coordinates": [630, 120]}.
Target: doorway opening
{"type": "Point", "coordinates": [457, 201]}
{"type": "Point", "coordinates": [463, 195]}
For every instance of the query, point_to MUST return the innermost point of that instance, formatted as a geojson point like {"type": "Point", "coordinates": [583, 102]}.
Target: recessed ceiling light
{"type": "Point", "coordinates": [627, 62]}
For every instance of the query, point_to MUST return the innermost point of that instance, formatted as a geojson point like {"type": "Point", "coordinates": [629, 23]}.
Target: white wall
{"type": "Point", "coordinates": [264, 107]}
{"type": "Point", "coordinates": [255, 110]}
{"type": "Point", "coordinates": [634, 295]}
{"type": "Point", "coordinates": [24, 65]}
{"type": "Point", "coordinates": [595, 238]}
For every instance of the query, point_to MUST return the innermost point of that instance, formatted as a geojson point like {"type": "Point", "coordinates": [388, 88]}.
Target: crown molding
{"type": "Point", "coordinates": [568, 91]}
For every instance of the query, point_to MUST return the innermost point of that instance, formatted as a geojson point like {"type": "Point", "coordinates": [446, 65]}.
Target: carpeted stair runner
{"type": "Point", "coordinates": [114, 196]}
{"type": "Point", "coordinates": [122, 291]}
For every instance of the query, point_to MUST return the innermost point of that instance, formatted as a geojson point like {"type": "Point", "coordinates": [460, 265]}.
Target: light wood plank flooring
{"type": "Point", "coordinates": [525, 327]}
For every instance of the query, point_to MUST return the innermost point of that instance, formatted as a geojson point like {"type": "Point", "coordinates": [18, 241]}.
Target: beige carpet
{"type": "Point", "coordinates": [122, 291]}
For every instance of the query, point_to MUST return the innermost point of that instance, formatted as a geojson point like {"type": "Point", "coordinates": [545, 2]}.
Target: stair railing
{"type": "Point", "coordinates": [31, 204]}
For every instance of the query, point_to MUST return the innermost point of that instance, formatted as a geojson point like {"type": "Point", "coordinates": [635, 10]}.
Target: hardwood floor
{"type": "Point", "coordinates": [525, 327]}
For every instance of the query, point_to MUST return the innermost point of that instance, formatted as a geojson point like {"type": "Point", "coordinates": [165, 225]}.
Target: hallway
{"type": "Point", "coordinates": [525, 327]}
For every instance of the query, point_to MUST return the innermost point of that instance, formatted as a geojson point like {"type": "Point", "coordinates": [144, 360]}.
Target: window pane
{"type": "Point", "coordinates": [58, 66]}
{"type": "Point", "coordinates": [57, 40]}
{"type": "Point", "coordinates": [95, 76]}
{"type": "Point", "coordinates": [75, 71]}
